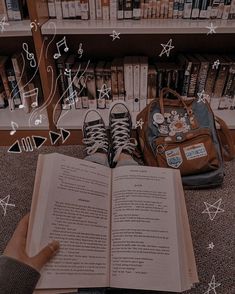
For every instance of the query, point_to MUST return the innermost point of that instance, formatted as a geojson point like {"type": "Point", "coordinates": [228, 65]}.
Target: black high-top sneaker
{"type": "Point", "coordinates": [94, 133]}
{"type": "Point", "coordinates": [120, 124]}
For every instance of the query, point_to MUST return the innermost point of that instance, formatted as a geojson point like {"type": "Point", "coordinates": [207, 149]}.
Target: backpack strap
{"type": "Point", "coordinates": [226, 139]}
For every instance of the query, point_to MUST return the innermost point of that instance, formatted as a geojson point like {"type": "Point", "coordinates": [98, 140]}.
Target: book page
{"type": "Point", "coordinates": [73, 207]}
{"type": "Point", "coordinates": [144, 247]}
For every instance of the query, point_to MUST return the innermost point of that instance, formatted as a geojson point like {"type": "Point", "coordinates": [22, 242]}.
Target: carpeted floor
{"type": "Point", "coordinates": [17, 173]}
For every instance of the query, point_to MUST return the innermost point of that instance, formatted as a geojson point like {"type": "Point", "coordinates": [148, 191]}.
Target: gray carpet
{"type": "Point", "coordinates": [17, 173]}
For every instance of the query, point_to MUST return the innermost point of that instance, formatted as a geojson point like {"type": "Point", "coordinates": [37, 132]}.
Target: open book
{"type": "Point", "coordinates": [125, 227]}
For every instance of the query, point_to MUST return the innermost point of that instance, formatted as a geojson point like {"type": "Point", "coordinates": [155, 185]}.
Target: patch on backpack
{"type": "Point", "coordinates": [195, 151]}
{"type": "Point", "coordinates": [173, 157]}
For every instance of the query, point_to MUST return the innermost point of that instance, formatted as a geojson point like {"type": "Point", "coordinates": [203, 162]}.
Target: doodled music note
{"type": "Point", "coordinates": [38, 121]}
{"type": "Point", "coordinates": [58, 45]}
{"type": "Point", "coordinates": [34, 24]}
{"type": "Point", "coordinates": [29, 56]}
{"type": "Point", "coordinates": [80, 50]}
{"type": "Point", "coordinates": [14, 125]}
{"type": "Point", "coordinates": [33, 95]}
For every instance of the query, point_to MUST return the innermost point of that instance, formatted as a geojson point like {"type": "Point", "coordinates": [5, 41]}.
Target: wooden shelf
{"type": "Point", "coordinates": [16, 29]}
{"type": "Point", "coordinates": [22, 119]}
{"type": "Point", "coordinates": [73, 119]}
{"type": "Point", "coordinates": [144, 26]}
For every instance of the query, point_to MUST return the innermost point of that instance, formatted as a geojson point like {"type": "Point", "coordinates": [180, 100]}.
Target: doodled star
{"type": "Point", "coordinates": [104, 92]}
{"type": "Point", "coordinates": [139, 123]}
{"type": "Point", "coordinates": [216, 64]}
{"type": "Point", "coordinates": [3, 23]}
{"type": "Point", "coordinates": [201, 97]}
{"type": "Point", "coordinates": [115, 35]}
{"type": "Point", "coordinates": [212, 286]}
{"type": "Point", "coordinates": [213, 209]}
{"type": "Point", "coordinates": [211, 29]}
{"type": "Point", "coordinates": [211, 246]}
{"type": "Point", "coordinates": [4, 202]}
{"type": "Point", "coordinates": [167, 48]}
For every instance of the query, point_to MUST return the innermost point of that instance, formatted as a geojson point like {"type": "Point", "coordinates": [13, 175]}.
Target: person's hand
{"type": "Point", "coordinates": [16, 247]}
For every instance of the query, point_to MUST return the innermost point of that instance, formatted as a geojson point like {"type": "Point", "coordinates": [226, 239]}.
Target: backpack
{"type": "Point", "coordinates": [182, 134]}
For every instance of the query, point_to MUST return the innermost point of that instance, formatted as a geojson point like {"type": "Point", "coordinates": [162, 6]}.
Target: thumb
{"type": "Point", "coordinates": [45, 255]}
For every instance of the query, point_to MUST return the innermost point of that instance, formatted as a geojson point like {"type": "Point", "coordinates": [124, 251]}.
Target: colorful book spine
{"type": "Point", "coordinates": [105, 9]}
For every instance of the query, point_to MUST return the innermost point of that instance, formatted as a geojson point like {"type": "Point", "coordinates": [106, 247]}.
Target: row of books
{"type": "Point", "coordinates": [141, 9]}
{"type": "Point", "coordinates": [13, 9]}
{"type": "Point", "coordinates": [19, 86]}
{"type": "Point", "coordinates": [133, 79]}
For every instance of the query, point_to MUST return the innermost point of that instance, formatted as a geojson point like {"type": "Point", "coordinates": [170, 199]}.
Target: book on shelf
{"type": "Point", "coordinates": [3, 10]}
{"type": "Point", "coordinates": [125, 227]}
{"type": "Point", "coordinates": [140, 9]}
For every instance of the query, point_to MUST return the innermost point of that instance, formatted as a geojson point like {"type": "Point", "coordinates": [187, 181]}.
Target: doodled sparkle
{"type": "Point", "coordinates": [216, 64]}
{"type": "Point", "coordinates": [213, 209]}
{"type": "Point", "coordinates": [115, 35]}
{"type": "Point", "coordinates": [211, 29]}
{"type": "Point", "coordinates": [139, 123]}
{"type": "Point", "coordinates": [167, 48]}
{"type": "Point", "coordinates": [211, 246]}
{"type": "Point", "coordinates": [4, 202]}
{"type": "Point", "coordinates": [212, 285]}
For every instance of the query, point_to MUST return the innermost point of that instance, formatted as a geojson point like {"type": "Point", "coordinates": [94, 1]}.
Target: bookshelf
{"type": "Point", "coordinates": [141, 37]}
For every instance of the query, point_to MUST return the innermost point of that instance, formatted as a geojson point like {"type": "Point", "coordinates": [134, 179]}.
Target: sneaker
{"type": "Point", "coordinates": [120, 124]}
{"type": "Point", "coordinates": [94, 133]}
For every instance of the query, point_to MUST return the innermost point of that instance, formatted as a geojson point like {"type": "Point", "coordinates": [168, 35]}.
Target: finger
{"type": "Point", "coordinates": [22, 227]}
{"type": "Point", "coordinates": [45, 254]}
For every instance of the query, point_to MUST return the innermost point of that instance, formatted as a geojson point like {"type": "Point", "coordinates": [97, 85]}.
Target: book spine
{"type": "Point", "coordinates": [114, 82]}
{"type": "Point", "coordinates": [99, 80]}
{"type": "Point", "coordinates": [188, 5]}
{"type": "Point", "coordinates": [220, 9]}
{"type": "Point", "coordinates": [145, 9]}
{"type": "Point", "coordinates": [193, 80]}
{"type": "Point", "coordinates": [108, 83]}
{"type": "Point", "coordinates": [227, 5]}
{"type": "Point", "coordinates": [214, 9]}
{"type": "Point", "coordinates": [92, 9]}
{"type": "Point", "coordinates": [78, 9]}
{"type": "Point", "coordinates": [127, 8]}
{"type": "Point", "coordinates": [202, 76]}
{"type": "Point", "coordinates": [72, 10]}
{"type": "Point", "coordinates": [3, 96]}
{"type": "Point", "coordinates": [9, 10]}
{"type": "Point", "coordinates": [162, 9]}
{"type": "Point", "coordinates": [113, 9]}
{"type": "Point", "coordinates": [152, 84]}
{"type": "Point", "coordinates": [166, 8]}
{"type": "Point", "coordinates": [120, 9]}
{"type": "Point", "coordinates": [120, 77]}
{"type": "Point", "coordinates": [84, 9]}
{"type": "Point", "coordinates": [91, 91]}
{"type": "Point", "coordinates": [13, 87]}
{"type": "Point", "coordinates": [210, 82]}
{"type": "Point", "coordinates": [186, 81]}
{"type": "Point", "coordinates": [232, 10]}
{"type": "Point", "coordinates": [105, 9]}
{"type": "Point", "coordinates": [221, 80]}
{"type": "Point", "coordinates": [143, 82]}
{"type": "Point", "coordinates": [175, 9]}
{"type": "Point", "coordinates": [128, 78]}
{"type": "Point", "coordinates": [58, 9]}
{"type": "Point", "coordinates": [84, 94]}
{"type": "Point", "coordinates": [149, 9]}
{"type": "Point", "coordinates": [51, 8]}
{"type": "Point", "coordinates": [154, 8]}
{"type": "Point", "coordinates": [195, 9]}
{"type": "Point", "coordinates": [136, 9]}
{"type": "Point", "coordinates": [65, 8]}
{"type": "Point", "coordinates": [98, 6]}
{"type": "Point", "coordinates": [228, 91]}
{"type": "Point", "coordinates": [181, 9]}
{"type": "Point", "coordinates": [203, 11]}
{"type": "Point", "coordinates": [136, 85]}
{"type": "Point", "coordinates": [3, 10]}
{"type": "Point", "coordinates": [170, 10]}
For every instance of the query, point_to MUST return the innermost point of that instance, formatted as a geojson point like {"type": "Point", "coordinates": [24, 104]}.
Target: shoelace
{"type": "Point", "coordinates": [96, 138]}
{"type": "Point", "coordinates": [121, 137]}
